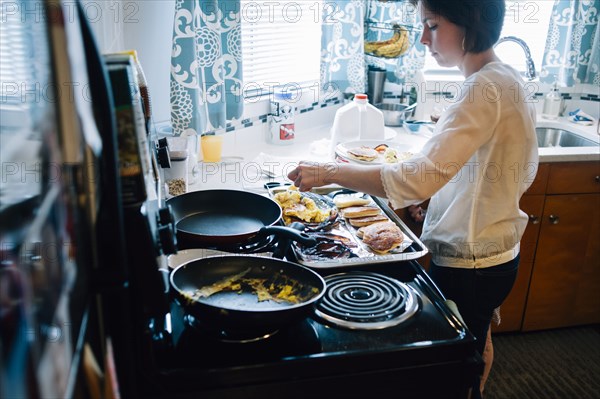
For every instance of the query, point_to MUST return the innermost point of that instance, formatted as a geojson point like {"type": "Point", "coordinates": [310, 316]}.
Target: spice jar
{"type": "Point", "coordinates": [176, 177]}
{"type": "Point", "coordinates": [282, 128]}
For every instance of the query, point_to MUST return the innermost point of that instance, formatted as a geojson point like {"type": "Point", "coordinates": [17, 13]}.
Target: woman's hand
{"type": "Point", "coordinates": [313, 174]}
{"type": "Point", "coordinates": [417, 213]}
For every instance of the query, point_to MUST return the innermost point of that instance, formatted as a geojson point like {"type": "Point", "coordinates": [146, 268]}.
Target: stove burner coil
{"type": "Point", "coordinates": [368, 301]}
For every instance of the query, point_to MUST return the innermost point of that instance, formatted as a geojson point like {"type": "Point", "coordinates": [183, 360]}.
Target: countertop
{"type": "Point", "coordinates": [244, 160]}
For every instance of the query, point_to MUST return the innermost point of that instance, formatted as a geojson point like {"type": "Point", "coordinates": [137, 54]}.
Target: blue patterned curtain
{"type": "Point", "coordinates": [343, 62]}
{"type": "Point", "coordinates": [571, 55]}
{"type": "Point", "coordinates": [206, 65]}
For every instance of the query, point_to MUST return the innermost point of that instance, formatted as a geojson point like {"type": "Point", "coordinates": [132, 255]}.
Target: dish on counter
{"type": "Point", "coordinates": [373, 152]}
{"type": "Point", "coordinates": [342, 243]}
{"type": "Point", "coordinates": [316, 212]}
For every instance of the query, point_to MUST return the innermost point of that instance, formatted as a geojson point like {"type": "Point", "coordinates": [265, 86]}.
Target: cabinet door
{"type": "Point", "coordinates": [587, 303]}
{"type": "Point", "coordinates": [574, 177]}
{"type": "Point", "coordinates": [559, 260]}
{"type": "Point", "coordinates": [513, 307]}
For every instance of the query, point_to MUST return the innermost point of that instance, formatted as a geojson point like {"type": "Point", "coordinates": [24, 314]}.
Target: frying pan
{"type": "Point", "coordinates": [224, 218]}
{"type": "Point", "coordinates": [239, 311]}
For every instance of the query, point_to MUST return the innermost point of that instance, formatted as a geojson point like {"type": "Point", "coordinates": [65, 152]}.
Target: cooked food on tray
{"type": "Point", "coordinates": [360, 211]}
{"type": "Point", "coordinates": [391, 155]}
{"type": "Point", "coordinates": [367, 220]}
{"type": "Point", "coordinates": [345, 201]}
{"type": "Point", "coordinates": [295, 205]}
{"type": "Point", "coordinates": [381, 148]}
{"type": "Point", "coordinates": [363, 153]}
{"type": "Point", "coordinates": [279, 288]}
{"type": "Point", "coordinates": [382, 237]}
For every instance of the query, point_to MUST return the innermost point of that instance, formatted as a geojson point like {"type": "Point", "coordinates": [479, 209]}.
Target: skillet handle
{"type": "Point", "coordinates": [286, 234]}
{"type": "Point", "coordinates": [289, 232]}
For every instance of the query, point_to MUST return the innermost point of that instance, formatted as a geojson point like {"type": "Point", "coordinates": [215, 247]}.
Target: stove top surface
{"type": "Point", "coordinates": [423, 322]}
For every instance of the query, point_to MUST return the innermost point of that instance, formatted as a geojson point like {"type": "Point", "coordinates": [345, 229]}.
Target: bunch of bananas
{"type": "Point", "coordinates": [392, 48]}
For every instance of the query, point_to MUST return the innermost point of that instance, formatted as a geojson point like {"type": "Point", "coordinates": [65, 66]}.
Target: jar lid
{"type": "Point", "coordinates": [178, 155]}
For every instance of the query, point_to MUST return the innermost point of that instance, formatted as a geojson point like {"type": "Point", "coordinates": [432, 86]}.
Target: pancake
{"type": "Point", "coordinates": [348, 201]}
{"type": "Point", "coordinates": [363, 153]}
{"type": "Point", "coordinates": [365, 221]}
{"type": "Point", "coordinates": [360, 211]}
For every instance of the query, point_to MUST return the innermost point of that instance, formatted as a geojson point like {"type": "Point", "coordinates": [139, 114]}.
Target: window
{"type": "Point", "coordinates": [281, 44]}
{"type": "Point", "coordinates": [527, 20]}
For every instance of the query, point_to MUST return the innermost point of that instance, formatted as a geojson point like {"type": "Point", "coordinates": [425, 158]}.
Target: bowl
{"type": "Point", "coordinates": [412, 126]}
{"type": "Point", "coordinates": [395, 114]}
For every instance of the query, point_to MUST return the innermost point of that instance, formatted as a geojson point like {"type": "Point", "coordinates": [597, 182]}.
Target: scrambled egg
{"type": "Point", "coordinates": [391, 155]}
{"type": "Point", "coordinates": [295, 205]}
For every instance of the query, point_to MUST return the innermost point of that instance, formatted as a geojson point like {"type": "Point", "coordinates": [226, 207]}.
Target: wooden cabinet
{"type": "Point", "coordinates": [565, 279]}
{"type": "Point", "coordinates": [513, 308]}
{"type": "Point", "coordinates": [559, 274]}
{"type": "Point", "coordinates": [558, 283]}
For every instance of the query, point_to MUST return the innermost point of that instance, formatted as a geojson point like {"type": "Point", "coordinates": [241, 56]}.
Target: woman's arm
{"type": "Point", "coordinates": [366, 179]}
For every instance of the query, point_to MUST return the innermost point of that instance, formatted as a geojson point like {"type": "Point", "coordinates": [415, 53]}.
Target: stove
{"type": "Point", "coordinates": [366, 301]}
{"type": "Point", "coordinates": [379, 330]}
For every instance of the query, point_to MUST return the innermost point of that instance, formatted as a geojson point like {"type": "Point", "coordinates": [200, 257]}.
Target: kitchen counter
{"type": "Point", "coordinates": [246, 152]}
{"type": "Point", "coordinates": [570, 154]}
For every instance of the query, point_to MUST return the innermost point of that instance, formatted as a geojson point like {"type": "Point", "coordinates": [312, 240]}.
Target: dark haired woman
{"type": "Point", "coordinates": [481, 159]}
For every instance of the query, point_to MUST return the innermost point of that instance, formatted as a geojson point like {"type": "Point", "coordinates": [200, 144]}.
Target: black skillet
{"type": "Point", "coordinates": [224, 218]}
{"type": "Point", "coordinates": [239, 312]}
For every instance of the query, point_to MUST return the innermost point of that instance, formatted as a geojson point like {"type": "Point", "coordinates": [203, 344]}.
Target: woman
{"type": "Point", "coordinates": [475, 167]}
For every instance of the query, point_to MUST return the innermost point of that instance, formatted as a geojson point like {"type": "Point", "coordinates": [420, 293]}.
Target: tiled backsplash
{"type": "Point", "coordinates": [588, 102]}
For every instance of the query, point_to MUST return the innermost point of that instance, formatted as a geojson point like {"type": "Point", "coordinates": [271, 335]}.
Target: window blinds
{"type": "Point", "coordinates": [281, 44]}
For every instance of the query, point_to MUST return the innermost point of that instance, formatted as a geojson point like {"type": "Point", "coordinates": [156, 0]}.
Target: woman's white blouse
{"type": "Point", "coordinates": [481, 159]}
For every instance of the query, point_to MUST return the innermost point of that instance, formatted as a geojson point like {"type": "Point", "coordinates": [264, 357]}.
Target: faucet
{"type": "Point", "coordinates": [530, 66]}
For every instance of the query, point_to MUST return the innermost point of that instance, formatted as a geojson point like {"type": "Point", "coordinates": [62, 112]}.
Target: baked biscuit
{"type": "Point", "coordinates": [382, 237]}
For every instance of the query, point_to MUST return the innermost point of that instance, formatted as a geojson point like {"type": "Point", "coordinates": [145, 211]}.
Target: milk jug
{"type": "Point", "coordinates": [357, 120]}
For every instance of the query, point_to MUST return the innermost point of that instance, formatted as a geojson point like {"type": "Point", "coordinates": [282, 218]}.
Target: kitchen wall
{"type": "Point", "coordinates": [147, 27]}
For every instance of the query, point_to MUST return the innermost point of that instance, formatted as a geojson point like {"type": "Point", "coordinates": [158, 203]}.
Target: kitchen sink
{"type": "Point", "coordinates": [552, 137]}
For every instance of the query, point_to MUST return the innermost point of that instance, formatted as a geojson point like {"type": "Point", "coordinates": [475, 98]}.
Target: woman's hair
{"type": "Point", "coordinates": [481, 19]}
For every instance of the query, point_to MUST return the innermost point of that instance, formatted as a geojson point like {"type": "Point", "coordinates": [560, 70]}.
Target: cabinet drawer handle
{"type": "Point", "coordinates": [554, 219]}
{"type": "Point", "coordinates": [534, 219]}
{"type": "Point", "coordinates": [597, 179]}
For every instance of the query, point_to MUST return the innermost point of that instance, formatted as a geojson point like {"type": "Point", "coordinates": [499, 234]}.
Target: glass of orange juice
{"type": "Point", "coordinates": [212, 146]}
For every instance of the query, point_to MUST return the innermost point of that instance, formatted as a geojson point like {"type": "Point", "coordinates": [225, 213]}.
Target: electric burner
{"type": "Point", "coordinates": [366, 301]}
{"type": "Point", "coordinates": [263, 244]}
{"type": "Point", "coordinates": [256, 245]}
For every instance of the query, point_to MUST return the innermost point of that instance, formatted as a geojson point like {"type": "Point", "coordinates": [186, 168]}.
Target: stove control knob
{"type": "Point", "coordinates": [167, 239]}
{"type": "Point", "coordinates": [163, 142]}
{"type": "Point", "coordinates": [162, 155]}
{"type": "Point", "coordinates": [165, 216]}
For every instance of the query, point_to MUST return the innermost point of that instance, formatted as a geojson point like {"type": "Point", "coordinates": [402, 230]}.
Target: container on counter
{"type": "Point", "coordinates": [176, 177]}
{"type": "Point", "coordinates": [282, 128]}
{"type": "Point", "coordinates": [553, 103]}
{"type": "Point", "coordinates": [357, 120]}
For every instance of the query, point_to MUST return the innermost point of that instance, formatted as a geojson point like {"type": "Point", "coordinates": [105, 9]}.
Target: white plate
{"type": "Point", "coordinates": [389, 133]}
{"type": "Point", "coordinates": [341, 150]}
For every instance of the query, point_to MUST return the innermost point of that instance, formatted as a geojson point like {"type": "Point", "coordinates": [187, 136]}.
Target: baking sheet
{"type": "Point", "coordinates": [411, 247]}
